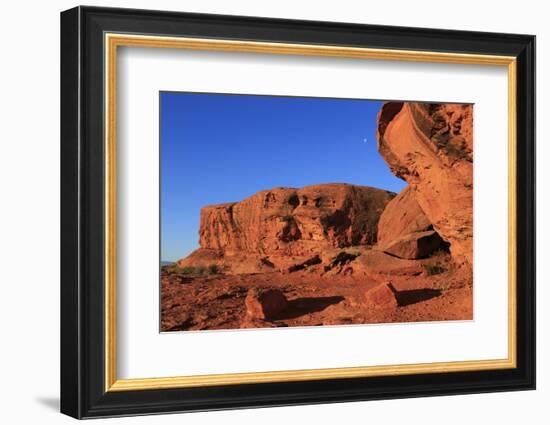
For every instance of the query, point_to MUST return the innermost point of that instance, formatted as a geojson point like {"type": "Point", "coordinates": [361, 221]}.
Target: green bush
{"type": "Point", "coordinates": [433, 269]}
{"type": "Point", "coordinates": [193, 270]}
{"type": "Point", "coordinates": [170, 268]}
{"type": "Point", "coordinates": [187, 270]}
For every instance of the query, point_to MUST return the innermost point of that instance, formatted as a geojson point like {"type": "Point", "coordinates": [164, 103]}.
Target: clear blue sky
{"type": "Point", "coordinates": [221, 148]}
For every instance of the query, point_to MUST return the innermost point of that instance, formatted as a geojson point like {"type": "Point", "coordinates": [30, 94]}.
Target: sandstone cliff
{"type": "Point", "coordinates": [285, 227]}
{"type": "Point", "coordinates": [286, 221]}
{"type": "Point", "coordinates": [431, 147]}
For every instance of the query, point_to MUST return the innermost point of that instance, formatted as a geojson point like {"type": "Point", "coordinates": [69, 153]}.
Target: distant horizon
{"type": "Point", "coordinates": [218, 148]}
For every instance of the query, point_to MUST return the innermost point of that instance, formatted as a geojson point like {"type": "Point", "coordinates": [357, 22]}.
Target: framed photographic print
{"type": "Point", "coordinates": [261, 212]}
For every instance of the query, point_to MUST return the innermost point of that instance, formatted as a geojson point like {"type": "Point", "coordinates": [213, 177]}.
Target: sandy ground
{"type": "Point", "coordinates": [317, 297]}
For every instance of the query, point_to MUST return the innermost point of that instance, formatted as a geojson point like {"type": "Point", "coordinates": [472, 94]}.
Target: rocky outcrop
{"type": "Point", "coordinates": [401, 217]}
{"type": "Point", "coordinates": [382, 296]}
{"type": "Point", "coordinates": [414, 246]}
{"type": "Point", "coordinates": [404, 230]}
{"type": "Point", "coordinates": [431, 147]}
{"type": "Point", "coordinates": [287, 221]}
{"type": "Point", "coordinates": [265, 304]}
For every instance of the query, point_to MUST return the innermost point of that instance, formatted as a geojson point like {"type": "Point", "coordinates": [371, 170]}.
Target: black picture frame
{"type": "Point", "coordinates": [83, 392]}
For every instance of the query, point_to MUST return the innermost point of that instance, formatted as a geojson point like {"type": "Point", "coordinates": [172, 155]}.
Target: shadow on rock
{"type": "Point", "coordinates": [307, 305]}
{"type": "Point", "coordinates": [414, 296]}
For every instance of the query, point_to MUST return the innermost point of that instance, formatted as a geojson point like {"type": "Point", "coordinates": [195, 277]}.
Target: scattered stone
{"type": "Point", "coordinates": [301, 266]}
{"type": "Point", "coordinates": [342, 258]}
{"type": "Point", "coordinates": [382, 295]}
{"type": "Point", "coordinates": [265, 304]}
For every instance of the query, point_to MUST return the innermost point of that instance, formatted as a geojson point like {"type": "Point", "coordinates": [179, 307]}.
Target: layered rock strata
{"type": "Point", "coordinates": [291, 222]}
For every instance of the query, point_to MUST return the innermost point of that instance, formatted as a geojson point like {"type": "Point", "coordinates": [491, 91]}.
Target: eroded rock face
{"type": "Point", "coordinates": [401, 217]}
{"type": "Point", "coordinates": [431, 147]}
{"type": "Point", "coordinates": [404, 230]}
{"type": "Point", "coordinates": [286, 221]}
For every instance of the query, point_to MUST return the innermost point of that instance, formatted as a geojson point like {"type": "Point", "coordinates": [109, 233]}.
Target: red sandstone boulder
{"type": "Point", "coordinates": [377, 265]}
{"type": "Point", "coordinates": [431, 147]}
{"type": "Point", "coordinates": [264, 304]}
{"type": "Point", "coordinates": [382, 295]}
{"type": "Point", "coordinates": [414, 246]}
{"type": "Point", "coordinates": [401, 217]}
{"type": "Point", "coordinates": [404, 230]}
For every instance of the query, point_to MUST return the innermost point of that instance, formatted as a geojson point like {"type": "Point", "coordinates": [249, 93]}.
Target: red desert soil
{"type": "Point", "coordinates": [317, 298]}
{"type": "Point", "coordinates": [337, 254]}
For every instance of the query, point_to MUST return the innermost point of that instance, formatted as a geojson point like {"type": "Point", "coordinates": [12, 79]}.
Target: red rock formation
{"type": "Point", "coordinates": [431, 147]}
{"type": "Point", "coordinates": [382, 296]}
{"type": "Point", "coordinates": [404, 230]}
{"type": "Point", "coordinates": [401, 217]}
{"type": "Point", "coordinates": [414, 246]}
{"type": "Point", "coordinates": [264, 304]}
{"type": "Point", "coordinates": [323, 255]}
{"type": "Point", "coordinates": [286, 221]}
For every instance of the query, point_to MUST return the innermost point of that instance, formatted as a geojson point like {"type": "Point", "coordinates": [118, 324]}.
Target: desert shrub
{"type": "Point", "coordinates": [187, 270]}
{"type": "Point", "coordinates": [443, 286]}
{"type": "Point", "coordinates": [172, 268]}
{"type": "Point", "coordinates": [213, 269]}
{"type": "Point", "coordinates": [433, 269]}
{"type": "Point", "coordinates": [194, 270]}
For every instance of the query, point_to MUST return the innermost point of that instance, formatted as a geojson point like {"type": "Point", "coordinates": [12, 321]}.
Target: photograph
{"type": "Point", "coordinates": [287, 211]}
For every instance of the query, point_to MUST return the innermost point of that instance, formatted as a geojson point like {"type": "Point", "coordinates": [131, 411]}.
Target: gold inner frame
{"type": "Point", "coordinates": [113, 41]}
